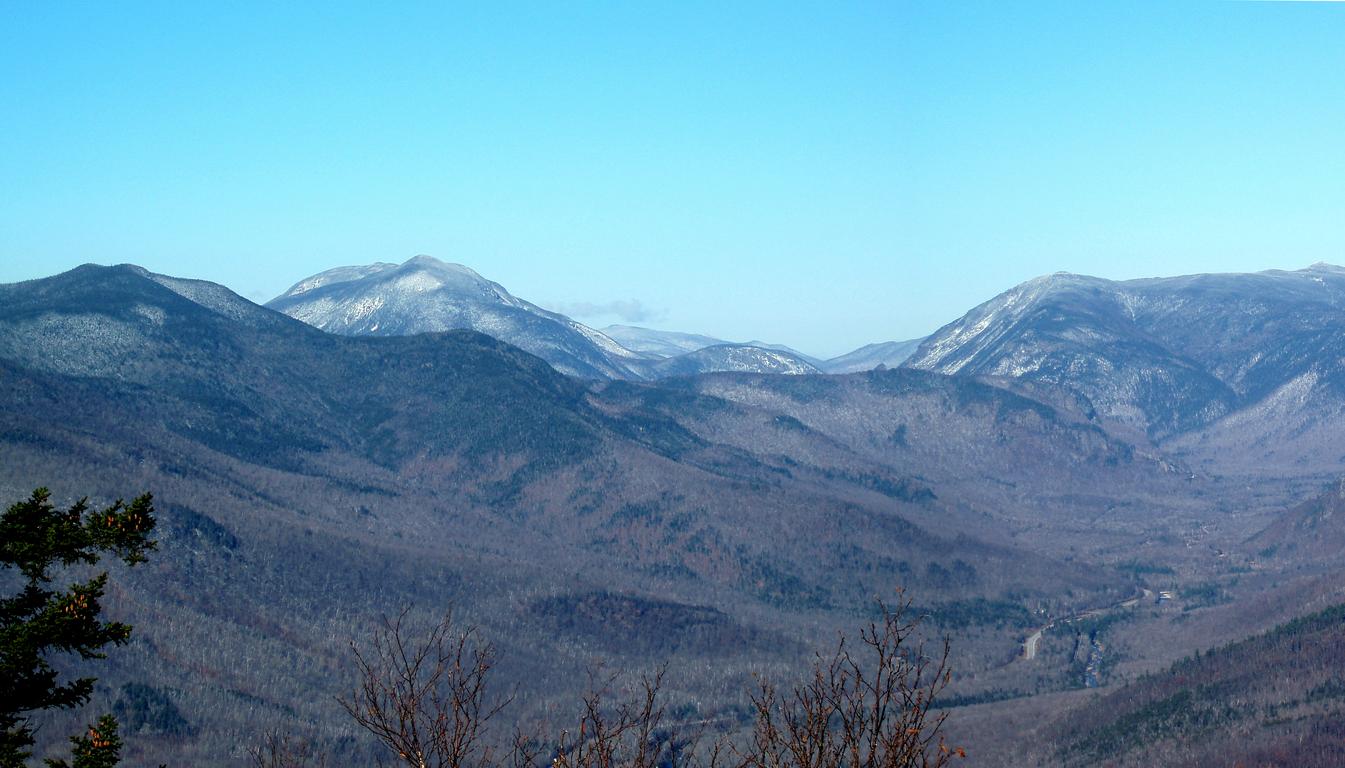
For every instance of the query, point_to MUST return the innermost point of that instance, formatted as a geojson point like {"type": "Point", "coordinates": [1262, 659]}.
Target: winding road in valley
{"type": "Point", "coordinates": [1033, 641]}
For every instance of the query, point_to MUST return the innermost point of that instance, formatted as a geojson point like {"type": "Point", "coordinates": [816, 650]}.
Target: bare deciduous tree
{"type": "Point", "coordinates": [868, 705]}
{"type": "Point", "coordinates": [426, 701]}
{"type": "Point", "coordinates": [630, 734]}
{"type": "Point", "coordinates": [280, 750]}
{"type": "Point", "coordinates": [862, 708]}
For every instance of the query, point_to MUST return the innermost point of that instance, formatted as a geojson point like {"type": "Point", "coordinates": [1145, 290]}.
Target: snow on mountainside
{"type": "Point", "coordinates": [739, 358]}
{"type": "Point", "coordinates": [215, 297]}
{"type": "Point", "coordinates": [661, 343]}
{"type": "Point", "coordinates": [813, 361]}
{"type": "Point", "coordinates": [425, 295]}
{"type": "Point", "coordinates": [887, 353]}
{"type": "Point", "coordinates": [1164, 354]}
{"type": "Point", "coordinates": [957, 345]}
{"type": "Point", "coordinates": [674, 343]}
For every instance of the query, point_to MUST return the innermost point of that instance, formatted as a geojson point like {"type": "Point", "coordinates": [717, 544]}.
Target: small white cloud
{"type": "Point", "coordinates": [626, 310]}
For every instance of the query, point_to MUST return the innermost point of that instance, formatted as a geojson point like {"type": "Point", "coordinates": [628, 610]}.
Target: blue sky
{"type": "Point", "coordinates": [823, 175]}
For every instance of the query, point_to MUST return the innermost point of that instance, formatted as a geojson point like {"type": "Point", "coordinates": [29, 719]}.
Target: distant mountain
{"type": "Point", "coordinates": [726, 522]}
{"type": "Point", "coordinates": [309, 481]}
{"type": "Point", "coordinates": [887, 353]}
{"type": "Point", "coordinates": [685, 354]}
{"type": "Point", "coordinates": [660, 343]}
{"type": "Point", "coordinates": [788, 350]}
{"type": "Point", "coordinates": [216, 369]}
{"type": "Point", "coordinates": [953, 432]}
{"type": "Point", "coordinates": [424, 294]}
{"type": "Point", "coordinates": [1166, 355]}
{"type": "Point", "coordinates": [740, 358]}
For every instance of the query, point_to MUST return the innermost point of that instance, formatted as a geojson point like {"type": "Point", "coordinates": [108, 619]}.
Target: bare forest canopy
{"type": "Point", "coordinates": [1070, 536]}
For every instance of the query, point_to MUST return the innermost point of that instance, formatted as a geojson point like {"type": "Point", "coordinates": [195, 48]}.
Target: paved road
{"type": "Point", "coordinates": [1033, 641]}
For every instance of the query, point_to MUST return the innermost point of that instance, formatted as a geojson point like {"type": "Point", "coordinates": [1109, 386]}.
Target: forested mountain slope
{"type": "Point", "coordinates": [308, 482]}
{"type": "Point", "coordinates": [1273, 699]}
{"type": "Point", "coordinates": [1224, 352]}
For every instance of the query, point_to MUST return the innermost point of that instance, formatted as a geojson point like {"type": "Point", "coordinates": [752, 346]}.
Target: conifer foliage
{"type": "Point", "coordinates": [42, 618]}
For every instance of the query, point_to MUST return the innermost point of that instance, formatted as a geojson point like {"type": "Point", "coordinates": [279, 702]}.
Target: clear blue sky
{"type": "Point", "coordinates": [823, 175]}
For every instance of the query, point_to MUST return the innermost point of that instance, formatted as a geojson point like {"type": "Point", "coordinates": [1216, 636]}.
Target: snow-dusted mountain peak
{"type": "Point", "coordinates": [1323, 266]}
{"type": "Point", "coordinates": [337, 275]}
{"type": "Point", "coordinates": [443, 273]}
{"type": "Point", "coordinates": [418, 274]}
{"type": "Point", "coordinates": [424, 294]}
{"type": "Point", "coordinates": [734, 358]}
{"type": "Point", "coordinates": [1164, 354]}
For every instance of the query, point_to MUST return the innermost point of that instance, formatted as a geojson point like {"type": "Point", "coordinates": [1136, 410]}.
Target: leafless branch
{"type": "Point", "coordinates": [863, 708]}
{"type": "Point", "coordinates": [279, 750]}
{"type": "Point", "coordinates": [426, 701]}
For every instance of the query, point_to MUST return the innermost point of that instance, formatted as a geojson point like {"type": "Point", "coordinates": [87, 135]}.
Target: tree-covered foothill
{"type": "Point", "coordinates": [43, 617]}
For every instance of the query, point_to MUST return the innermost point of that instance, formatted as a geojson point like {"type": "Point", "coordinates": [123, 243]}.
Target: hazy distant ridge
{"type": "Point", "coordinates": [424, 295]}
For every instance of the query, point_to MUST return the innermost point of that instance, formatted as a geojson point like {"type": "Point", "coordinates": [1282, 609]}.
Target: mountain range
{"type": "Point", "coordinates": [1245, 364]}
{"type": "Point", "coordinates": [424, 294]}
{"type": "Point", "coordinates": [1053, 454]}
{"type": "Point", "coordinates": [1166, 355]}
{"type": "Point", "coordinates": [308, 481]}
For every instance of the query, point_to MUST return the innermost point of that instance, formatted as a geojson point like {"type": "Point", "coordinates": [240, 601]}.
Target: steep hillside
{"type": "Point", "coordinates": [424, 294]}
{"type": "Point", "coordinates": [1311, 534]}
{"type": "Point", "coordinates": [260, 387]}
{"type": "Point", "coordinates": [308, 482]}
{"type": "Point", "coordinates": [1274, 699]}
{"type": "Point", "coordinates": [968, 439]}
{"type": "Point", "coordinates": [1167, 355]}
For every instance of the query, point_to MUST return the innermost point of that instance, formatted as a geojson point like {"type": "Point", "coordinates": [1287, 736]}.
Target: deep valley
{"type": "Point", "coordinates": [1072, 488]}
